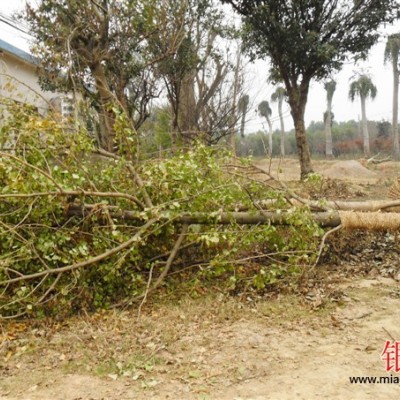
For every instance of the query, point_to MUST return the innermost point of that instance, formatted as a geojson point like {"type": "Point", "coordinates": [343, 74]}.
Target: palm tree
{"type": "Point", "coordinates": [265, 111]}
{"type": "Point", "coordinates": [330, 87]}
{"type": "Point", "coordinates": [278, 96]}
{"type": "Point", "coordinates": [392, 51]}
{"type": "Point", "coordinates": [364, 88]}
{"type": "Point", "coordinates": [243, 106]}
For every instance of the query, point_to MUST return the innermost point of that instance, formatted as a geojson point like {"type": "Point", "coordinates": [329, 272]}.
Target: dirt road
{"type": "Point", "coordinates": [212, 348]}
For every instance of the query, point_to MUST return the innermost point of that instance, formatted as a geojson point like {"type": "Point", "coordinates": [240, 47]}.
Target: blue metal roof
{"type": "Point", "coordinates": [15, 51]}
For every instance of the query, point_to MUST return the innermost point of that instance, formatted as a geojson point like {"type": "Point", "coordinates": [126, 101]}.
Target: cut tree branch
{"type": "Point", "coordinates": [86, 263]}
{"type": "Point", "coordinates": [373, 220]}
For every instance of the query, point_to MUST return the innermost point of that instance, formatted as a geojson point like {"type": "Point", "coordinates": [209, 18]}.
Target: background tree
{"type": "Point", "coordinates": [101, 49]}
{"type": "Point", "coordinates": [236, 88]}
{"type": "Point", "coordinates": [364, 88]}
{"type": "Point", "coordinates": [243, 106]}
{"type": "Point", "coordinates": [199, 78]}
{"type": "Point", "coordinates": [309, 39]}
{"type": "Point", "coordinates": [278, 96]}
{"type": "Point", "coordinates": [330, 87]}
{"type": "Point", "coordinates": [265, 111]}
{"type": "Point", "coordinates": [392, 51]}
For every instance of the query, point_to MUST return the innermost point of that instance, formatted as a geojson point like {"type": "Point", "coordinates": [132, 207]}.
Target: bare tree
{"type": "Point", "coordinates": [199, 78]}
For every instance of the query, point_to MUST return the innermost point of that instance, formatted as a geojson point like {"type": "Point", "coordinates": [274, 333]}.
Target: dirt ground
{"type": "Point", "coordinates": [350, 171]}
{"type": "Point", "coordinates": [278, 347]}
{"type": "Point", "coordinates": [212, 349]}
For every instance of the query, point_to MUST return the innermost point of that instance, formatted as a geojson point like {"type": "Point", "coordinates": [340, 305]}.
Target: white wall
{"type": "Point", "coordinates": [19, 82]}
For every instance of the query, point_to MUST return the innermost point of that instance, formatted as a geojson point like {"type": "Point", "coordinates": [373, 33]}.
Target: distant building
{"type": "Point", "coordinates": [19, 82]}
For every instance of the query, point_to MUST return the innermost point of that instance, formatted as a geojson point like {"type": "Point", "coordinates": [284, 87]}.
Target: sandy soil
{"type": "Point", "coordinates": [277, 349]}
{"type": "Point", "coordinates": [356, 171]}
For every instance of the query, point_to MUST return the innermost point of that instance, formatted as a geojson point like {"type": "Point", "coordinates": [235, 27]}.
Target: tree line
{"type": "Point", "coordinates": [361, 87]}
{"type": "Point", "coordinates": [346, 140]}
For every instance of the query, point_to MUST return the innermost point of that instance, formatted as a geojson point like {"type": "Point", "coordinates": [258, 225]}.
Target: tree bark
{"type": "Point", "coordinates": [298, 101]}
{"type": "Point", "coordinates": [367, 151]}
{"type": "Point", "coordinates": [107, 139]}
{"type": "Point", "coordinates": [348, 219]}
{"type": "Point", "coordinates": [324, 219]}
{"type": "Point", "coordinates": [234, 102]}
{"type": "Point", "coordinates": [395, 130]}
{"type": "Point", "coordinates": [187, 107]}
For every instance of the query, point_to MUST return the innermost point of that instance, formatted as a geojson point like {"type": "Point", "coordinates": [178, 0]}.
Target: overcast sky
{"type": "Point", "coordinates": [259, 89]}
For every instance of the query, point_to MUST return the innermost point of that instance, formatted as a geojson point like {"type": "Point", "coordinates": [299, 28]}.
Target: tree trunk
{"type": "Point", "coordinates": [395, 130]}
{"type": "Point", "coordinates": [187, 108]}
{"type": "Point", "coordinates": [282, 127]}
{"type": "Point", "coordinates": [107, 117]}
{"type": "Point", "coordinates": [347, 219]}
{"type": "Point", "coordinates": [174, 131]}
{"type": "Point", "coordinates": [298, 101]}
{"type": "Point", "coordinates": [234, 105]}
{"type": "Point", "coordinates": [243, 122]}
{"type": "Point", "coordinates": [365, 127]}
{"type": "Point", "coordinates": [328, 132]}
{"type": "Point", "coordinates": [269, 137]}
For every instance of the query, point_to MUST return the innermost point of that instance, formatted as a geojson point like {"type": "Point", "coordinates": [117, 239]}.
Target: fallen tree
{"type": "Point", "coordinates": [367, 219]}
{"type": "Point", "coordinates": [84, 228]}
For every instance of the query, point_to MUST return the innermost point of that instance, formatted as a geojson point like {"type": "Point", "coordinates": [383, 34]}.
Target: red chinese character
{"type": "Point", "coordinates": [391, 356]}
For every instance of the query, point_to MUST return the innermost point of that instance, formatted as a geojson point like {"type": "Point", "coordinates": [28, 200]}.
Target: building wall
{"type": "Point", "coordinates": [19, 82]}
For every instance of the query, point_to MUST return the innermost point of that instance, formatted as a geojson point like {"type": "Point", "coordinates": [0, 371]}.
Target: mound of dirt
{"type": "Point", "coordinates": [350, 170]}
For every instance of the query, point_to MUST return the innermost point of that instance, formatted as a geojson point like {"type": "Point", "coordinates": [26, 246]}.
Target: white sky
{"type": "Point", "coordinates": [343, 108]}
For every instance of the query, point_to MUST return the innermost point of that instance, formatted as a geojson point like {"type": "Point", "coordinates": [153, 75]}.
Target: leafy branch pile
{"type": "Point", "coordinates": [84, 228]}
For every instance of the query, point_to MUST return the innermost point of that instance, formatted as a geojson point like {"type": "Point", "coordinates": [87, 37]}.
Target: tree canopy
{"type": "Point", "coordinates": [103, 49]}
{"type": "Point", "coordinates": [362, 87]}
{"type": "Point", "coordinates": [311, 38]}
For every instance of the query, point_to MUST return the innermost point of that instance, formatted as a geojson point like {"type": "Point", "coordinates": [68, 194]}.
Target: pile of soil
{"type": "Point", "coordinates": [350, 170]}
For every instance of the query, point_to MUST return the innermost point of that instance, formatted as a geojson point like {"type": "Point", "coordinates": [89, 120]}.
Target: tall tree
{"type": "Point", "coordinates": [364, 88]}
{"type": "Point", "coordinates": [102, 49]}
{"type": "Point", "coordinates": [265, 111]}
{"type": "Point", "coordinates": [309, 39]}
{"type": "Point", "coordinates": [243, 106]}
{"type": "Point", "coordinates": [330, 87]}
{"type": "Point", "coordinates": [392, 51]}
{"type": "Point", "coordinates": [278, 96]}
{"type": "Point", "coordinates": [199, 78]}
{"type": "Point", "coordinates": [235, 91]}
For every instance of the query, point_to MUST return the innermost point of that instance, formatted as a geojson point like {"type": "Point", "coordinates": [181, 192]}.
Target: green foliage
{"type": "Point", "coordinates": [155, 133]}
{"type": "Point", "coordinates": [52, 165]}
{"type": "Point", "coordinates": [64, 40]}
{"type": "Point", "coordinates": [314, 184]}
{"type": "Point", "coordinates": [363, 87]}
{"type": "Point", "coordinates": [308, 37]}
